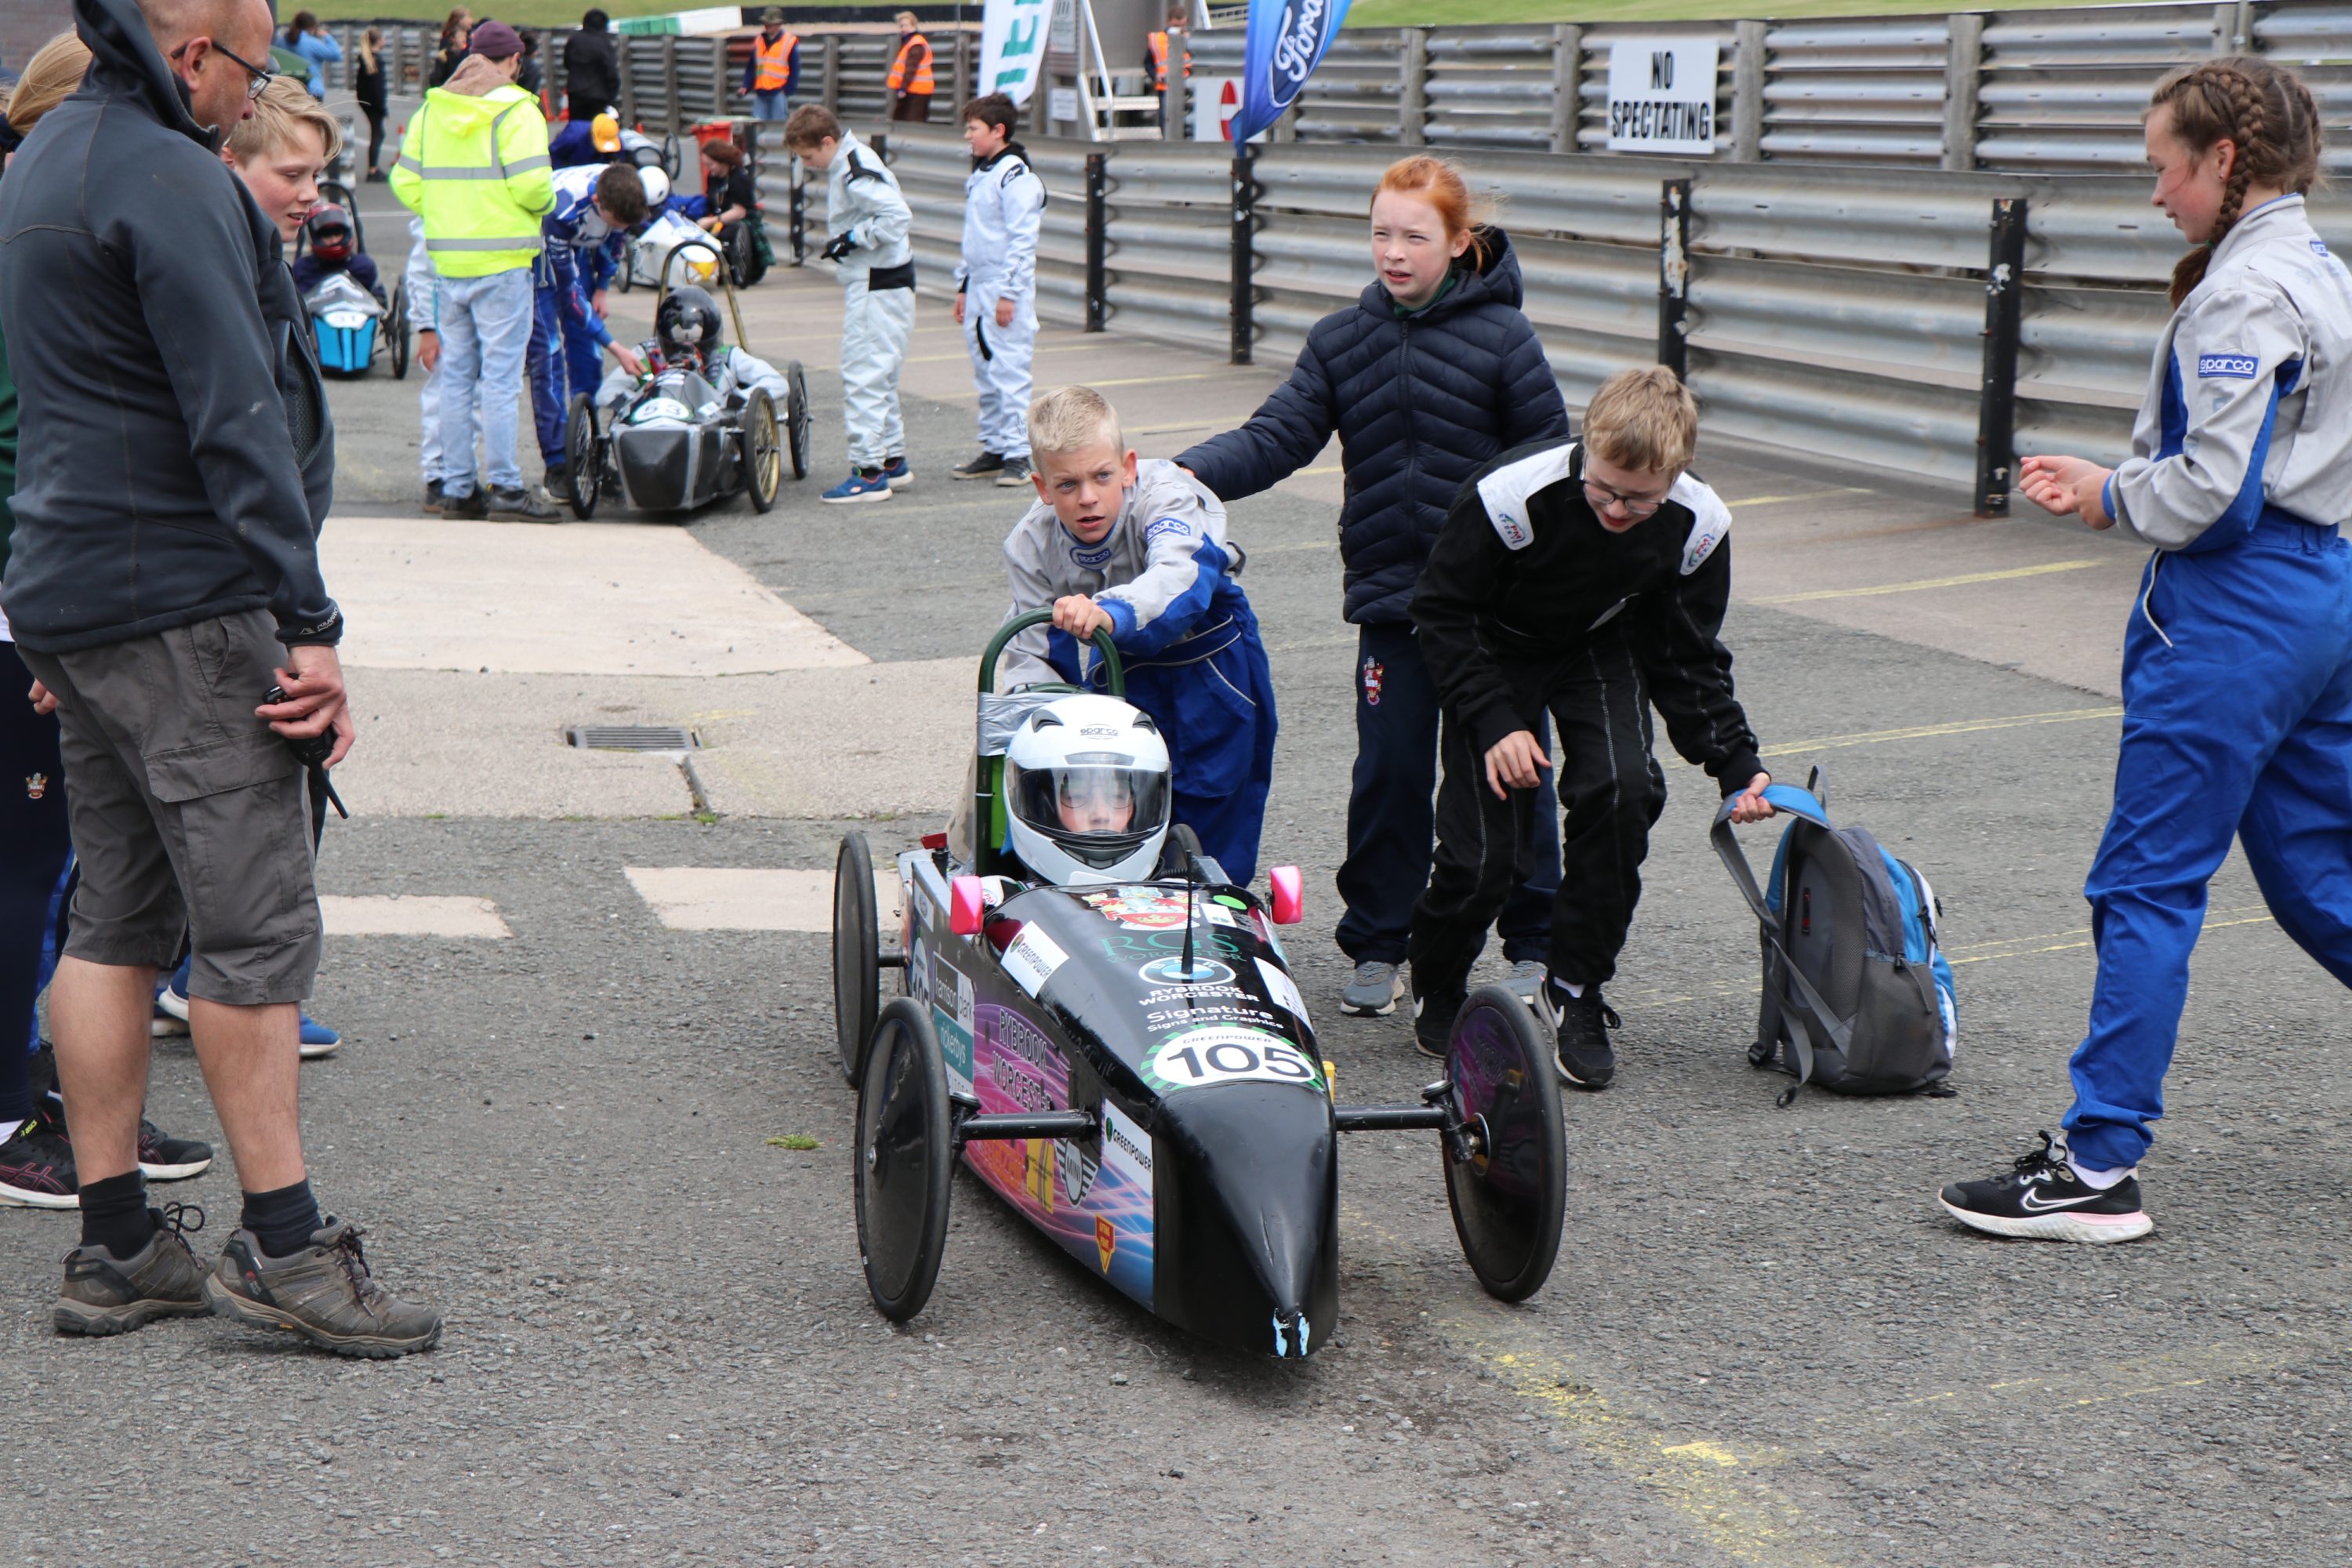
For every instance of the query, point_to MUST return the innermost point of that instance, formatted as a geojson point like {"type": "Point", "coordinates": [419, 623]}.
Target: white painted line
{"type": "Point", "coordinates": [704, 897]}
{"type": "Point", "coordinates": [398, 914]}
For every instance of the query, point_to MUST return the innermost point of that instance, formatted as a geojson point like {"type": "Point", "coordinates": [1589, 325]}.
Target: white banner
{"type": "Point", "coordinates": [1661, 95]}
{"type": "Point", "coordinates": [1012, 47]}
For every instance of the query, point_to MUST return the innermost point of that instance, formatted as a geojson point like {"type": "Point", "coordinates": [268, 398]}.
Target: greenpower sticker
{"type": "Point", "coordinates": [1228, 1053]}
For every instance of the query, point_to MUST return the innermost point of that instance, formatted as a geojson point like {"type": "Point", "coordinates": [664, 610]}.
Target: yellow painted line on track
{"type": "Point", "coordinates": [1924, 584]}
{"type": "Point", "coordinates": [1809, 495]}
{"type": "Point", "coordinates": [1932, 732]}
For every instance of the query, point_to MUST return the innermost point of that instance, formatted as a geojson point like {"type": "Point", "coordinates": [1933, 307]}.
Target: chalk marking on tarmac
{"type": "Point", "coordinates": [1809, 495]}
{"type": "Point", "coordinates": [2168, 1374]}
{"type": "Point", "coordinates": [1931, 731]}
{"type": "Point", "coordinates": [1924, 584]}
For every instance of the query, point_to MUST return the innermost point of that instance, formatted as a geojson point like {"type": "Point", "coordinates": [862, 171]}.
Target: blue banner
{"type": "Point", "coordinates": [1288, 39]}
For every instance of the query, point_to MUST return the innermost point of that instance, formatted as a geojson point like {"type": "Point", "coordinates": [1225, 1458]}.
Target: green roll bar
{"type": "Point", "coordinates": [988, 795]}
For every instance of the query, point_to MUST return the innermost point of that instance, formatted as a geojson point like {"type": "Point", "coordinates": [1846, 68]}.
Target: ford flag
{"type": "Point", "coordinates": [1288, 39]}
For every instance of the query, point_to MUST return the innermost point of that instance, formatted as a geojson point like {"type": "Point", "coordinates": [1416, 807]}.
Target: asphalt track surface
{"type": "Point", "coordinates": [1763, 1344]}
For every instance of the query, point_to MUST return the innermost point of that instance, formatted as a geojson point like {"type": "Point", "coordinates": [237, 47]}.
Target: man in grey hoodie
{"type": "Point", "coordinates": [175, 465]}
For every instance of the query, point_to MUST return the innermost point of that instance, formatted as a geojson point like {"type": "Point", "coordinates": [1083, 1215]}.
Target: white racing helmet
{"type": "Point", "coordinates": [1085, 788]}
{"type": "Point", "coordinates": [656, 184]}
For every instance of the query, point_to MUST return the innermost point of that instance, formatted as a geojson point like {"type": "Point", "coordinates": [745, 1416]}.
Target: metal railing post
{"type": "Point", "coordinates": [2233, 27]}
{"type": "Point", "coordinates": [1673, 276]}
{"type": "Point", "coordinates": [800, 213]}
{"type": "Point", "coordinates": [1098, 239]}
{"type": "Point", "coordinates": [622, 50]}
{"type": "Point", "coordinates": [1176, 102]}
{"type": "Point", "coordinates": [833, 72]}
{"type": "Point", "coordinates": [1412, 90]}
{"type": "Point", "coordinates": [2004, 324]}
{"type": "Point", "coordinates": [1245, 295]}
{"type": "Point", "coordinates": [1963, 76]}
{"type": "Point", "coordinates": [1748, 92]}
{"type": "Point", "coordinates": [1566, 85]}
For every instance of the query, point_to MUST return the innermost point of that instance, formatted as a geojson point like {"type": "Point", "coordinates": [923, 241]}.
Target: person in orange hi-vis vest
{"type": "Point", "coordinates": [774, 69]}
{"type": "Point", "coordinates": [910, 73]}
{"type": "Point", "coordinates": [1156, 47]}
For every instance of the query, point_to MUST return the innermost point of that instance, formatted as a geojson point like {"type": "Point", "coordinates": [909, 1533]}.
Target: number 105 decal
{"type": "Point", "coordinates": [1227, 1054]}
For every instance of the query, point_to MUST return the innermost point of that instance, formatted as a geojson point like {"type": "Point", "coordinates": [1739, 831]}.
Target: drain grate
{"type": "Point", "coordinates": [631, 738]}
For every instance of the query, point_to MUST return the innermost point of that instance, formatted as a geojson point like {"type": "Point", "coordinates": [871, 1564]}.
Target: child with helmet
{"type": "Point", "coordinates": [688, 334]}
{"type": "Point", "coordinates": [1140, 549]}
{"type": "Point", "coordinates": [329, 248]}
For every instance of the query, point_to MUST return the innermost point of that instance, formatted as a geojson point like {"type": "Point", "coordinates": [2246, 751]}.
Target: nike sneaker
{"type": "Point", "coordinates": [1432, 1020]}
{"type": "Point", "coordinates": [1373, 992]}
{"type": "Point", "coordinates": [2040, 1198]}
{"type": "Point", "coordinates": [1580, 1029]}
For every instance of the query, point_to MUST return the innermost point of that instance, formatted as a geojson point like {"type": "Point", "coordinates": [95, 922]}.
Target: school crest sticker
{"type": "Point", "coordinates": [1375, 672]}
{"type": "Point", "coordinates": [35, 785]}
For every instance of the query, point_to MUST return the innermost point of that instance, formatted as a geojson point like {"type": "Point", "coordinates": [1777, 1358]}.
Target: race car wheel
{"type": "Point", "coordinates": [397, 326]}
{"type": "Point", "coordinates": [856, 952]}
{"type": "Point", "coordinates": [798, 419]}
{"type": "Point", "coordinates": [1510, 1194]}
{"type": "Point", "coordinates": [904, 1160]}
{"type": "Point", "coordinates": [764, 461]}
{"type": "Point", "coordinates": [672, 156]}
{"type": "Point", "coordinates": [584, 457]}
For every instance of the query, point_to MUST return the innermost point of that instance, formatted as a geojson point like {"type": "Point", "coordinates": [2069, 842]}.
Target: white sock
{"type": "Point", "coordinates": [2100, 1180]}
{"type": "Point", "coordinates": [9, 1130]}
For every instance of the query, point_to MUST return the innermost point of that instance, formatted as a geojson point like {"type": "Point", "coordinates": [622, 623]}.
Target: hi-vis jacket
{"type": "Point", "coordinates": [2249, 405]}
{"type": "Point", "coordinates": [1163, 574]}
{"type": "Point", "coordinates": [863, 201]}
{"type": "Point", "coordinates": [1003, 203]}
{"type": "Point", "coordinates": [477, 171]}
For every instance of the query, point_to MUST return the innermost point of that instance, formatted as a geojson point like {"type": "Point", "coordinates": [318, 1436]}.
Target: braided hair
{"type": "Point", "coordinates": [2261, 108]}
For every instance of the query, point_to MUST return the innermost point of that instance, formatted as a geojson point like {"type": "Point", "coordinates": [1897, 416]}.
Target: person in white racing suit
{"type": "Point", "coordinates": [869, 219]}
{"type": "Point", "coordinates": [996, 285]}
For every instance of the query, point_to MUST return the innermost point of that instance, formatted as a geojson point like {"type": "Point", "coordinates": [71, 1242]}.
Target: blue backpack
{"type": "Point", "coordinates": [1857, 997]}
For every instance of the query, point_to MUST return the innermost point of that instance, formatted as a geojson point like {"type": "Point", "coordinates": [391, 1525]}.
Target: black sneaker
{"type": "Point", "coordinates": [2041, 1199]}
{"type": "Point", "coordinates": [1015, 475]}
{"type": "Point", "coordinates": [36, 1169]}
{"type": "Point", "coordinates": [558, 483]}
{"type": "Point", "coordinates": [473, 507]}
{"type": "Point", "coordinates": [1580, 1025]}
{"type": "Point", "coordinates": [164, 1158]}
{"type": "Point", "coordinates": [433, 499]}
{"type": "Point", "coordinates": [521, 506]}
{"type": "Point", "coordinates": [108, 1295]}
{"type": "Point", "coordinates": [987, 466]}
{"type": "Point", "coordinates": [1432, 1020]}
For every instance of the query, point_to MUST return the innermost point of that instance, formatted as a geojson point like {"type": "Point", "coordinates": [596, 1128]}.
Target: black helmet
{"type": "Point", "coordinates": [687, 323]}
{"type": "Point", "coordinates": [330, 231]}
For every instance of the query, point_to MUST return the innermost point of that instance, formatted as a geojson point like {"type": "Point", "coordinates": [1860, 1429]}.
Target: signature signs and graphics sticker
{"type": "Point", "coordinates": [1225, 1054]}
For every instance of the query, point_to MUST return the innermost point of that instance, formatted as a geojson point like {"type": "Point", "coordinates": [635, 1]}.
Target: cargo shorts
{"type": "Point", "coordinates": [189, 814]}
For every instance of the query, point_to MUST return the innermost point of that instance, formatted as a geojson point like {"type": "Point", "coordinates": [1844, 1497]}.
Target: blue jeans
{"type": "Point", "coordinates": [776, 105]}
{"type": "Point", "coordinates": [485, 325]}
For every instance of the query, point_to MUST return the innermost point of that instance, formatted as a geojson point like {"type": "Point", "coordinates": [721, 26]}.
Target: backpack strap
{"type": "Point", "coordinates": [1796, 803]}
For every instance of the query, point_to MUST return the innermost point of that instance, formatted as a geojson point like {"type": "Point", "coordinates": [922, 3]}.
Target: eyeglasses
{"type": "Point", "coordinates": [1602, 497]}
{"type": "Point", "coordinates": [261, 76]}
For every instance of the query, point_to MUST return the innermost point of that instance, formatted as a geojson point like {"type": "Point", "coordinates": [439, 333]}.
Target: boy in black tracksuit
{"type": "Point", "coordinates": [1589, 579]}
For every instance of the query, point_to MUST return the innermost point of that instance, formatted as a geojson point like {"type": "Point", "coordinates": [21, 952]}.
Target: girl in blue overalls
{"type": "Point", "coordinates": [2238, 662]}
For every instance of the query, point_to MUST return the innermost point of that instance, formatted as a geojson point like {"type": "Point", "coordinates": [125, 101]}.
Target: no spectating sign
{"type": "Point", "coordinates": [1661, 95]}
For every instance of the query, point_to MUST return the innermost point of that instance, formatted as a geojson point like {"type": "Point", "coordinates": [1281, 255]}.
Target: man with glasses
{"type": "Point", "coordinates": [1588, 579]}
{"type": "Point", "coordinates": [175, 465]}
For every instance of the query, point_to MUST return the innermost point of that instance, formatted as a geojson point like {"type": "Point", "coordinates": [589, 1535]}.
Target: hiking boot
{"type": "Point", "coordinates": [323, 1293]}
{"type": "Point", "coordinates": [987, 466]}
{"type": "Point", "coordinates": [1432, 1020]}
{"type": "Point", "coordinates": [2040, 1198]}
{"type": "Point", "coordinates": [519, 505]}
{"type": "Point", "coordinates": [1373, 992]}
{"type": "Point", "coordinates": [1014, 476]}
{"type": "Point", "coordinates": [433, 499]}
{"type": "Point", "coordinates": [557, 485]}
{"type": "Point", "coordinates": [471, 507]}
{"type": "Point", "coordinates": [36, 1168]}
{"type": "Point", "coordinates": [1580, 1025]}
{"type": "Point", "coordinates": [108, 1295]}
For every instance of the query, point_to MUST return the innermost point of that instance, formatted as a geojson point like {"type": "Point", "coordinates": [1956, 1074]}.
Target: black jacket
{"type": "Point", "coordinates": [1524, 579]}
{"type": "Point", "coordinates": [166, 372]}
{"type": "Point", "coordinates": [592, 68]}
{"type": "Point", "coordinates": [1418, 402]}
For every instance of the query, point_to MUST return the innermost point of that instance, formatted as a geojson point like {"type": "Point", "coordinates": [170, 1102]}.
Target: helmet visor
{"type": "Point", "coordinates": [1095, 806]}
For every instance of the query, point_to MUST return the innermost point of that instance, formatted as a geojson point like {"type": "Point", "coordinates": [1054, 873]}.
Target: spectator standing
{"type": "Point", "coordinates": [774, 72]}
{"type": "Point", "coordinates": [1430, 374]}
{"type": "Point", "coordinates": [591, 69]}
{"type": "Point", "coordinates": [368, 86]}
{"type": "Point", "coordinates": [528, 75]}
{"type": "Point", "coordinates": [157, 676]}
{"type": "Point", "coordinates": [452, 47]}
{"type": "Point", "coordinates": [308, 37]}
{"type": "Point", "coordinates": [996, 285]}
{"type": "Point", "coordinates": [1158, 46]}
{"type": "Point", "coordinates": [910, 82]}
{"type": "Point", "coordinates": [474, 166]}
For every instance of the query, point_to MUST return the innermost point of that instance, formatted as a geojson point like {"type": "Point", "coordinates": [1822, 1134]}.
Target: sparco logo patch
{"type": "Point", "coordinates": [2238, 366]}
{"type": "Point", "coordinates": [1092, 554]}
{"type": "Point", "coordinates": [1168, 525]}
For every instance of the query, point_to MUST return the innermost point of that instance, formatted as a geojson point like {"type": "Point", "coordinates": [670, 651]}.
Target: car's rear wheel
{"type": "Point", "coordinates": [798, 419]}
{"type": "Point", "coordinates": [856, 952]}
{"type": "Point", "coordinates": [1510, 1197]}
{"type": "Point", "coordinates": [584, 457]}
{"type": "Point", "coordinates": [905, 1162]}
{"type": "Point", "coordinates": [763, 463]}
{"type": "Point", "coordinates": [397, 325]}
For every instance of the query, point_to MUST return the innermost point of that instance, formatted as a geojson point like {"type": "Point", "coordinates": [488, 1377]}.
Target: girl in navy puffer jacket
{"type": "Point", "coordinates": [1430, 374]}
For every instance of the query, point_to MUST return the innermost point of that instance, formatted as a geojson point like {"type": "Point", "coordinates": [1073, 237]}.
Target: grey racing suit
{"type": "Point", "coordinates": [1004, 205]}
{"type": "Point", "coordinates": [878, 309]}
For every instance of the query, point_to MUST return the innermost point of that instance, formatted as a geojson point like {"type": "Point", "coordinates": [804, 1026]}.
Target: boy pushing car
{"type": "Point", "coordinates": [1141, 548]}
{"type": "Point", "coordinates": [1588, 579]}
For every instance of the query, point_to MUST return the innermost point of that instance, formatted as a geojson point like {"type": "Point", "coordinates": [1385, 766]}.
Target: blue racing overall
{"type": "Point", "coordinates": [1185, 633]}
{"type": "Point", "coordinates": [2238, 662]}
{"type": "Point", "coordinates": [573, 264]}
